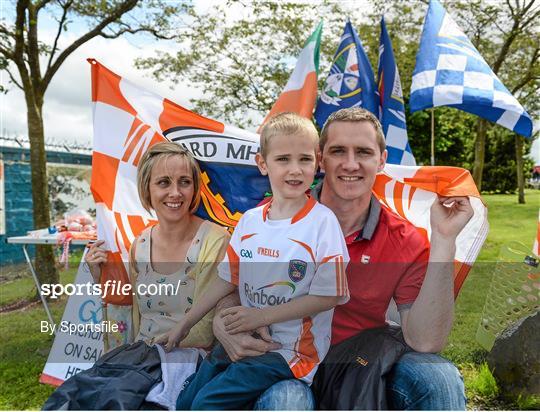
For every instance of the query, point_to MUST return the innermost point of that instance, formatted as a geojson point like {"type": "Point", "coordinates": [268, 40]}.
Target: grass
{"type": "Point", "coordinates": [24, 353]}
{"type": "Point", "coordinates": [23, 286]}
{"type": "Point", "coordinates": [24, 350]}
{"type": "Point", "coordinates": [509, 221]}
{"type": "Point", "coordinates": [483, 384]}
{"type": "Point", "coordinates": [528, 402]}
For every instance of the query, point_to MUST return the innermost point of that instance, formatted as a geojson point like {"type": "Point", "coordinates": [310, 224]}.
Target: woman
{"type": "Point", "coordinates": [181, 249]}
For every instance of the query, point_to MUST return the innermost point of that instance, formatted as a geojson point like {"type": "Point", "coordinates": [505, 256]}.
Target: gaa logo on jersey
{"type": "Point", "coordinates": [246, 253]}
{"type": "Point", "coordinates": [297, 270]}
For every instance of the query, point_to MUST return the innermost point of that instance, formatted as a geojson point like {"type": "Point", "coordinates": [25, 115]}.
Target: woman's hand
{"type": "Point", "coordinates": [174, 337]}
{"type": "Point", "coordinates": [241, 319]}
{"type": "Point", "coordinates": [95, 257]}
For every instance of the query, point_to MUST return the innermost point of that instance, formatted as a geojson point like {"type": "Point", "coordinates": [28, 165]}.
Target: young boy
{"type": "Point", "coordinates": [288, 260]}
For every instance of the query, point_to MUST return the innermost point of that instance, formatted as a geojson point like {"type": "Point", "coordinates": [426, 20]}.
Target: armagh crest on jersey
{"type": "Point", "coordinates": [305, 255]}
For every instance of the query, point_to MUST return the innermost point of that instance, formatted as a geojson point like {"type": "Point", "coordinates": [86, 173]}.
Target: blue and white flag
{"type": "Point", "coordinates": [350, 82]}
{"type": "Point", "coordinates": [450, 72]}
{"type": "Point", "coordinates": [392, 114]}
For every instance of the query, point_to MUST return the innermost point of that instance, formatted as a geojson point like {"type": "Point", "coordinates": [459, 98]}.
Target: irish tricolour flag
{"type": "Point", "coordinates": [300, 93]}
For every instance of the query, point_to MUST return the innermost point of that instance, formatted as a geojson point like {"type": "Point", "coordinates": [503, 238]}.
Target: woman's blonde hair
{"type": "Point", "coordinates": [160, 151]}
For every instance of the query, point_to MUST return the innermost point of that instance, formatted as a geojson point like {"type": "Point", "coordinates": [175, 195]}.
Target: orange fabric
{"type": "Point", "coordinates": [134, 141]}
{"type": "Point", "coordinates": [120, 226]}
{"type": "Point", "coordinates": [340, 273]}
{"type": "Point", "coordinates": [461, 270]}
{"type": "Point", "coordinates": [301, 101]}
{"type": "Point", "coordinates": [398, 193]}
{"type": "Point", "coordinates": [106, 88]}
{"type": "Point", "coordinates": [379, 187]}
{"type": "Point", "coordinates": [445, 181]}
{"type": "Point", "coordinates": [537, 243]}
{"type": "Point", "coordinates": [137, 225]}
{"type": "Point", "coordinates": [134, 126]}
{"type": "Point", "coordinates": [215, 205]}
{"type": "Point", "coordinates": [155, 139]}
{"type": "Point", "coordinates": [327, 258]}
{"type": "Point", "coordinates": [174, 114]}
{"type": "Point", "coordinates": [114, 270]}
{"type": "Point", "coordinates": [304, 211]}
{"type": "Point", "coordinates": [340, 277]}
{"type": "Point", "coordinates": [265, 210]}
{"type": "Point", "coordinates": [305, 246]}
{"type": "Point", "coordinates": [308, 358]}
{"type": "Point", "coordinates": [247, 236]}
{"type": "Point", "coordinates": [234, 265]}
{"type": "Point", "coordinates": [103, 180]}
{"type": "Point", "coordinates": [50, 380]}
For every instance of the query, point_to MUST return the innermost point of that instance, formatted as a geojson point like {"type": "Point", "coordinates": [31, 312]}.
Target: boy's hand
{"type": "Point", "coordinates": [174, 337]}
{"type": "Point", "coordinates": [242, 319]}
{"type": "Point", "coordinates": [243, 344]}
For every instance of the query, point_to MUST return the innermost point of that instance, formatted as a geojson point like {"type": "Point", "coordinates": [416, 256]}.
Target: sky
{"type": "Point", "coordinates": [67, 109]}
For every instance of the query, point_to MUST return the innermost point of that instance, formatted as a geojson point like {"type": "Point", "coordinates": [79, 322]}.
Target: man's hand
{"type": "Point", "coordinates": [449, 215]}
{"type": "Point", "coordinates": [243, 344]}
{"type": "Point", "coordinates": [242, 319]}
{"type": "Point", "coordinates": [427, 324]}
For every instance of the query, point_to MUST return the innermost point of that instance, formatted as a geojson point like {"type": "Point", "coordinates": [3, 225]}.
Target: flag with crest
{"type": "Point", "coordinates": [350, 82]}
{"type": "Point", "coordinates": [129, 119]}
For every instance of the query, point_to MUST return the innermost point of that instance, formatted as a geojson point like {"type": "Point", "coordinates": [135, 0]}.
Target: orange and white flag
{"type": "Point", "coordinates": [127, 121]}
{"type": "Point", "coordinates": [300, 94]}
{"type": "Point", "coordinates": [411, 190]}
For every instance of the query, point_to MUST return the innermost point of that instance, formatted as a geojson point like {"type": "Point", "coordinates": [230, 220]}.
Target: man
{"type": "Point", "coordinates": [389, 259]}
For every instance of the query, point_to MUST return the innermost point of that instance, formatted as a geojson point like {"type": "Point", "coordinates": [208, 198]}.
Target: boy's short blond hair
{"type": "Point", "coordinates": [353, 114]}
{"type": "Point", "coordinates": [288, 124]}
{"type": "Point", "coordinates": [165, 150]}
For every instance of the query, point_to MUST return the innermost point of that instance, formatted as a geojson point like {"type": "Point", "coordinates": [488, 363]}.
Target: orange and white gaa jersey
{"type": "Point", "coordinates": [274, 261]}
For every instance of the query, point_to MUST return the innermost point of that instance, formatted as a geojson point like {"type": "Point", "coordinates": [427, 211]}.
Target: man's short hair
{"type": "Point", "coordinates": [353, 114]}
{"type": "Point", "coordinates": [287, 124]}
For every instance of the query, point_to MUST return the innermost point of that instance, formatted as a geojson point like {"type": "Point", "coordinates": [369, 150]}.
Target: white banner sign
{"type": "Point", "coordinates": [79, 338]}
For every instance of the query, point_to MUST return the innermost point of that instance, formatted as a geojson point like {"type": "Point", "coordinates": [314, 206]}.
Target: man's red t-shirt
{"type": "Point", "coordinates": [388, 259]}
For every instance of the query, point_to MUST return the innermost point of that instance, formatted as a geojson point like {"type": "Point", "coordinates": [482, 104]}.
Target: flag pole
{"type": "Point", "coordinates": [432, 136]}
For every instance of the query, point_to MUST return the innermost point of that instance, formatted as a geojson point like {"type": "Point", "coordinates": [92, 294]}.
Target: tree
{"type": "Point", "coordinates": [242, 65]}
{"type": "Point", "coordinates": [241, 55]}
{"type": "Point", "coordinates": [506, 35]}
{"type": "Point", "coordinates": [22, 55]}
{"type": "Point", "coordinates": [501, 169]}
